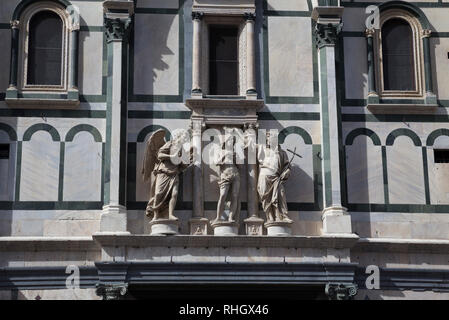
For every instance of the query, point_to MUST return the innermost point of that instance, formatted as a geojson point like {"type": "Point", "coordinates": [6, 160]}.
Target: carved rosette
{"type": "Point", "coordinates": [111, 291]}
{"type": "Point", "coordinates": [339, 291]}
{"type": "Point", "coordinates": [117, 29]}
{"type": "Point", "coordinates": [327, 34]}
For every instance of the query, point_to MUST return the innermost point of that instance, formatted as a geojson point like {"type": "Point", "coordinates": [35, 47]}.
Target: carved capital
{"type": "Point", "coordinates": [369, 33]}
{"type": "Point", "coordinates": [251, 126]}
{"type": "Point", "coordinates": [426, 33]}
{"type": "Point", "coordinates": [111, 291]}
{"type": "Point", "coordinates": [327, 34]}
{"type": "Point", "coordinates": [15, 24]}
{"type": "Point", "coordinates": [197, 127]}
{"type": "Point", "coordinates": [117, 29]}
{"type": "Point", "coordinates": [249, 16]}
{"type": "Point", "coordinates": [339, 291]}
{"type": "Point", "coordinates": [196, 15]}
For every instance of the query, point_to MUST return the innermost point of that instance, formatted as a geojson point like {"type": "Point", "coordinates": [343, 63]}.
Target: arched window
{"type": "Point", "coordinates": [45, 53]}
{"type": "Point", "coordinates": [398, 55]}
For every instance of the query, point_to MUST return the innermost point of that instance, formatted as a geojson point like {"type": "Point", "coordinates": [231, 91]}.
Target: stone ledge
{"type": "Point", "coordinates": [329, 241]}
{"type": "Point", "coordinates": [48, 244]}
{"type": "Point", "coordinates": [402, 245]}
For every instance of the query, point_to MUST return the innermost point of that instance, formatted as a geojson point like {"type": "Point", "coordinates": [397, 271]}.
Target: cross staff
{"type": "Point", "coordinates": [293, 155]}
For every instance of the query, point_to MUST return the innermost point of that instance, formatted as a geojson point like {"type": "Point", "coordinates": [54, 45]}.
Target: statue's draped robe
{"type": "Point", "coordinates": [270, 187]}
{"type": "Point", "coordinates": [166, 178]}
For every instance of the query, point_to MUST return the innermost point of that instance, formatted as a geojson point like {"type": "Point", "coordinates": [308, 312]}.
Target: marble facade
{"type": "Point", "coordinates": [74, 173]}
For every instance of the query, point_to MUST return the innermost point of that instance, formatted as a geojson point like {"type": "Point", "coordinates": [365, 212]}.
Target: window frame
{"type": "Point", "coordinates": [25, 19]}
{"type": "Point", "coordinates": [418, 56]}
{"type": "Point", "coordinates": [210, 21]}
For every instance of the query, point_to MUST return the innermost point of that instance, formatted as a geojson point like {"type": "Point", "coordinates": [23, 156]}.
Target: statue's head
{"type": "Point", "coordinates": [272, 139]}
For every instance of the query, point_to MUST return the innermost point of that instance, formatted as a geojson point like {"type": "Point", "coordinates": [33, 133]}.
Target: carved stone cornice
{"type": "Point", "coordinates": [327, 34]}
{"type": "Point", "coordinates": [112, 291]}
{"type": "Point", "coordinates": [117, 29]}
{"type": "Point", "coordinates": [340, 291]}
{"type": "Point", "coordinates": [197, 15]}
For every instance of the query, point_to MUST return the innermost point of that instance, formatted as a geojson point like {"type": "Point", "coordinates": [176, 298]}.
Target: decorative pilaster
{"type": "Point", "coordinates": [373, 96]}
{"type": "Point", "coordinates": [198, 223]}
{"type": "Point", "coordinates": [73, 80]}
{"type": "Point", "coordinates": [250, 56]}
{"type": "Point", "coordinates": [340, 291]}
{"type": "Point", "coordinates": [335, 217]}
{"type": "Point", "coordinates": [111, 291]}
{"type": "Point", "coordinates": [11, 92]}
{"type": "Point", "coordinates": [196, 62]}
{"type": "Point", "coordinates": [430, 95]}
{"type": "Point", "coordinates": [253, 224]}
{"type": "Point", "coordinates": [117, 21]}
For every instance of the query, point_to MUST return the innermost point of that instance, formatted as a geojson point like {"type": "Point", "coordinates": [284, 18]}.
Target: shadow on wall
{"type": "Point", "coordinates": [153, 62]}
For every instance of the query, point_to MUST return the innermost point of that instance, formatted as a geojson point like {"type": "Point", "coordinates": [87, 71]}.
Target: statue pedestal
{"type": "Point", "coordinates": [279, 228]}
{"type": "Point", "coordinates": [164, 227]}
{"type": "Point", "coordinates": [225, 228]}
{"type": "Point", "coordinates": [254, 226]}
{"type": "Point", "coordinates": [198, 226]}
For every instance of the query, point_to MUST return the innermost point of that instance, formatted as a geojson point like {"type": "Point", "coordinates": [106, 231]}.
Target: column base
{"type": "Point", "coordinates": [225, 228]}
{"type": "Point", "coordinates": [254, 226]}
{"type": "Point", "coordinates": [251, 95]}
{"type": "Point", "coordinates": [336, 220]}
{"type": "Point", "coordinates": [165, 227]}
{"type": "Point", "coordinates": [198, 226]}
{"type": "Point", "coordinates": [278, 228]}
{"type": "Point", "coordinates": [113, 219]}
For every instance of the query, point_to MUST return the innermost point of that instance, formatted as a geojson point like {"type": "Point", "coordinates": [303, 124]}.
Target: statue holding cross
{"type": "Point", "coordinates": [274, 170]}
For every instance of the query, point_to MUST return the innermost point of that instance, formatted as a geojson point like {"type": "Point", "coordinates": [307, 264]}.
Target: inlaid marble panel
{"type": "Point", "coordinates": [40, 168]}
{"type": "Point", "coordinates": [405, 172]}
{"type": "Point", "coordinates": [82, 169]}
{"type": "Point", "coordinates": [364, 171]}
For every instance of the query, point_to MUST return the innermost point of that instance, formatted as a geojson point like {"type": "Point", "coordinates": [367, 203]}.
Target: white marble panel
{"type": "Point", "coordinates": [40, 168]}
{"type": "Point", "coordinates": [356, 68]}
{"type": "Point", "coordinates": [290, 56]}
{"type": "Point", "coordinates": [82, 169]}
{"type": "Point", "coordinates": [364, 172]}
{"type": "Point", "coordinates": [90, 62]}
{"type": "Point", "coordinates": [299, 187]}
{"type": "Point", "coordinates": [405, 172]}
{"type": "Point", "coordinates": [156, 54]}
{"type": "Point", "coordinates": [288, 5]}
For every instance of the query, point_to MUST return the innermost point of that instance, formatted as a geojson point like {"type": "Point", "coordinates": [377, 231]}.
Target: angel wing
{"type": "Point", "coordinates": [156, 141]}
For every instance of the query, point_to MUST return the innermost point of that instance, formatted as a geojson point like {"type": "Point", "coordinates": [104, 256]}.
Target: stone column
{"type": "Point", "coordinates": [430, 95]}
{"type": "Point", "coordinates": [373, 96]}
{"type": "Point", "coordinates": [196, 62]}
{"type": "Point", "coordinates": [117, 23]}
{"type": "Point", "coordinates": [198, 223]}
{"type": "Point", "coordinates": [335, 217]}
{"type": "Point", "coordinates": [253, 224]}
{"type": "Point", "coordinates": [250, 56]}
{"type": "Point", "coordinates": [11, 92]}
{"type": "Point", "coordinates": [73, 80]}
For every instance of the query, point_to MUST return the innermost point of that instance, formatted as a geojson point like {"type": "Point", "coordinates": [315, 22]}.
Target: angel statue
{"type": "Point", "coordinates": [229, 182]}
{"type": "Point", "coordinates": [274, 170]}
{"type": "Point", "coordinates": [161, 168]}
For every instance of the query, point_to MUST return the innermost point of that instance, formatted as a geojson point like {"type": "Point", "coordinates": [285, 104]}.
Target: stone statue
{"type": "Point", "coordinates": [229, 182]}
{"type": "Point", "coordinates": [274, 170]}
{"type": "Point", "coordinates": [159, 167]}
